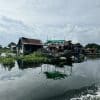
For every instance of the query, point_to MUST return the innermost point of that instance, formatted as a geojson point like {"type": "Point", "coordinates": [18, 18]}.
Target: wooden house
{"type": "Point", "coordinates": [27, 45]}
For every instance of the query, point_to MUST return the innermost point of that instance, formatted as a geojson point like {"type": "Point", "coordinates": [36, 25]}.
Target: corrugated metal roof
{"type": "Point", "coordinates": [30, 41]}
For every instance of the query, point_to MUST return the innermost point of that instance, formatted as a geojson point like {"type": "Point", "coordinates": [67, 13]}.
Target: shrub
{"type": "Point", "coordinates": [7, 61]}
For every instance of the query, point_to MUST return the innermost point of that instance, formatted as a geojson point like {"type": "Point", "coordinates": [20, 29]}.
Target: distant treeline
{"type": "Point", "coordinates": [93, 45]}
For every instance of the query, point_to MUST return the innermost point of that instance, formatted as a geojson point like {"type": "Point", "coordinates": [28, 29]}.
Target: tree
{"type": "Point", "coordinates": [93, 45]}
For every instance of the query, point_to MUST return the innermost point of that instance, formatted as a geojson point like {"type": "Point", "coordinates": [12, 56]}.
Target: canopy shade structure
{"type": "Point", "coordinates": [54, 41]}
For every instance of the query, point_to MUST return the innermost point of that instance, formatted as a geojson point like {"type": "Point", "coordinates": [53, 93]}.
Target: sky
{"type": "Point", "coordinates": [76, 20]}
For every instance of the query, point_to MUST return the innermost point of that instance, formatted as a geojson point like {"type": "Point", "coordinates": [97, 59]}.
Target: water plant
{"type": "Point", "coordinates": [55, 75]}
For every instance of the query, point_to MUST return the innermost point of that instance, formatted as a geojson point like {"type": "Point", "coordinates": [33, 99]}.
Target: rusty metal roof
{"type": "Point", "coordinates": [30, 41]}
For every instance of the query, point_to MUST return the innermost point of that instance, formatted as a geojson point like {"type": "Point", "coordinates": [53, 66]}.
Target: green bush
{"type": "Point", "coordinates": [31, 58]}
{"type": "Point", "coordinates": [34, 57]}
{"type": "Point", "coordinates": [7, 61]}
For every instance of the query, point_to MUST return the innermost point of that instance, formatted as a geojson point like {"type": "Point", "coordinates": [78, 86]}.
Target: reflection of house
{"type": "Point", "coordinates": [12, 46]}
{"type": "Point", "coordinates": [26, 45]}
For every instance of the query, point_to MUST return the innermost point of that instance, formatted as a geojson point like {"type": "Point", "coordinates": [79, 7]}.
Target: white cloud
{"type": "Point", "coordinates": [71, 19]}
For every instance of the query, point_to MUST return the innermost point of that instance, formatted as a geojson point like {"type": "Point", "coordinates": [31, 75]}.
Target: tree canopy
{"type": "Point", "coordinates": [93, 45]}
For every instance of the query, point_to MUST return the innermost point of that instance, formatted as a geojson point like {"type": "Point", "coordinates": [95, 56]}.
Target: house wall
{"type": "Point", "coordinates": [26, 48]}
{"type": "Point", "coordinates": [31, 48]}
{"type": "Point", "coordinates": [20, 49]}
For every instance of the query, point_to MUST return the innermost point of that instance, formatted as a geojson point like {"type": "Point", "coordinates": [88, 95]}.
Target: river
{"type": "Point", "coordinates": [31, 82]}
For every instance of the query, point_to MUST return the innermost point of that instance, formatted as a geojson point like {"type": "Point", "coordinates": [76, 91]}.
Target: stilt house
{"type": "Point", "coordinates": [26, 45]}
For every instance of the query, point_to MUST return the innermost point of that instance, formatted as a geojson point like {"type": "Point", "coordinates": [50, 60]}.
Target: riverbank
{"type": "Point", "coordinates": [40, 58]}
{"type": "Point", "coordinates": [31, 58]}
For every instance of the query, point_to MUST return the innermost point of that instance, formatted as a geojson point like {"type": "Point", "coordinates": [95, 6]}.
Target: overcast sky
{"type": "Point", "coordinates": [76, 20]}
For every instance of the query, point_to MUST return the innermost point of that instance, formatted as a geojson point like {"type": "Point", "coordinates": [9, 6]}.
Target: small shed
{"type": "Point", "coordinates": [55, 45]}
{"type": "Point", "coordinates": [12, 46]}
{"type": "Point", "coordinates": [27, 45]}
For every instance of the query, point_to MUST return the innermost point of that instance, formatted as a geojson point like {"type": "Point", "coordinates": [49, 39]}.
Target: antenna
{"type": "Point", "coordinates": [54, 37]}
{"type": "Point", "coordinates": [47, 37]}
{"type": "Point", "coordinates": [64, 37]}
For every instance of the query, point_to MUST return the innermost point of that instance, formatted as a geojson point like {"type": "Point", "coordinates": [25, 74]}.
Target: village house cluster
{"type": "Point", "coordinates": [27, 45]}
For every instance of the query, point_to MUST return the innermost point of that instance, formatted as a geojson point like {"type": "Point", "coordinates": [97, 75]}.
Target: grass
{"type": "Point", "coordinates": [31, 58]}
{"type": "Point", "coordinates": [34, 57]}
{"type": "Point", "coordinates": [5, 50]}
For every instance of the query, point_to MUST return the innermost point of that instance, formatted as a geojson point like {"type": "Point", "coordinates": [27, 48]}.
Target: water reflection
{"type": "Point", "coordinates": [54, 72]}
{"type": "Point", "coordinates": [50, 70]}
{"type": "Point", "coordinates": [8, 67]}
{"type": "Point", "coordinates": [24, 65]}
{"type": "Point", "coordinates": [55, 75]}
{"type": "Point", "coordinates": [76, 94]}
{"type": "Point", "coordinates": [61, 63]}
{"type": "Point", "coordinates": [36, 81]}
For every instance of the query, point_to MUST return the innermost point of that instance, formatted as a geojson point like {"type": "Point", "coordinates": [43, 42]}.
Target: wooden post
{"type": "Point", "coordinates": [17, 51]}
{"type": "Point", "coordinates": [23, 48]}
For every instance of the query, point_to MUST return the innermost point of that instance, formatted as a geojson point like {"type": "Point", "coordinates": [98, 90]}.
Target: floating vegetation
{"type": "Point", "coordinates": [55, 75]}
{"type": "Point", "coordinates": [82, 93]}
{"type": "Point", "coordinates": [87, 97]}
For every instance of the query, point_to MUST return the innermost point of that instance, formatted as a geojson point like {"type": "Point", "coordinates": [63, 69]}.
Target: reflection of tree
{"type": "Point", "coordinates": [53, 72]}
{"type": "Point", "coordinates": [61, 63]}
{"type": "Point", "coordinates": [79, 59]}
{"type": "Point", "coordinates": [9, 66]}
{"type": "Point", "coordinates": [25, 65]}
